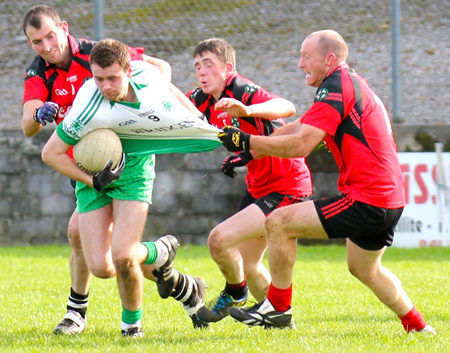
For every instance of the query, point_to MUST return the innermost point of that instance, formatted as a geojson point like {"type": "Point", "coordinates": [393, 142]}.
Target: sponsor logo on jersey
{"type": "Point", "coordinates": [251, 88]}
{"type": "Point", "coordinates": [235, 122]}
{"type": "Point", "coordinates": [73, 129]}
{"type": "Point", "coordinates": [321, 94]}
{"type": "Point", "coordinates": [167, 105]}
{"type": "Point", "coordinates": [73, 78]}
{"type": "Point", "coordinates": [30, 72]}
{"type": "Point", "coordinates": [146, 113]}
{"type": "Point", "coordinates": [185, 124]}
{"type": "Point", "coordinates": [61, 92]}
{"type": "Point", "coordinates": [128, 122]}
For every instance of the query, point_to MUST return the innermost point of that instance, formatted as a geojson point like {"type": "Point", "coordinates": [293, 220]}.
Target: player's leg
{"type": "Point", "coordinates": [223, 244]}
{"type": "Point", "coordinates": [284, 226]}
{"type": "Point", "coordinates": [366, 265]}
{"type": "Point", "coordinates": [257, 275]}
{"type": "Point", "coordinates": [95, 233]}
{"type": "Point", "coordinates": [129, 221]}
{"type": "Point", "coordinates": [74, 320]}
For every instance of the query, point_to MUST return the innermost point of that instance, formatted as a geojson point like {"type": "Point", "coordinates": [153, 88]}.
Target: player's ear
{"type": "Point", "coordinates": [229, 67]}
{"type": "Point", "coordinates": [65, 27]}
{"type": "Point", "coordinates": [331, 59]}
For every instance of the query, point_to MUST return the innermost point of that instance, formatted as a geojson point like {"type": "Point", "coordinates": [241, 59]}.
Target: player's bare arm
{"type": "Point", "coordinates": [54, 154]}
{"type": "Point", "coordinates": [163, 66]}
{"type": "Point", "coordinates": [271, 109]}
{"type": "Point", "coordinates": [286, 143]}
{"type": "Point", "coordinates": [184, 100]}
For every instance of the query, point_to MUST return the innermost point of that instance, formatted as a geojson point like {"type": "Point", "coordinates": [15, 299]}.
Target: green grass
{"type": "Point", "coordinates": [332, 310]}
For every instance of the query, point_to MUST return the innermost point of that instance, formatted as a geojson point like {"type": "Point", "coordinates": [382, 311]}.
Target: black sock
{"type": "Point", "coordinates": [237, 291]}
{"type": "Point", "coordinates": [78, 302]}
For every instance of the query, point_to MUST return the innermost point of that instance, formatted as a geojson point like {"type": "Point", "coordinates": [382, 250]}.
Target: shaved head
{"type": "Point", "coordinates": [329, 41]}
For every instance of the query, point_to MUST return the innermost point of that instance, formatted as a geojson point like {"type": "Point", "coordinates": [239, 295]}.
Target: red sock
{"type": "Point", "coordinates": [413, 321]}
{"type": "Point", "coordinates": [280, 298]}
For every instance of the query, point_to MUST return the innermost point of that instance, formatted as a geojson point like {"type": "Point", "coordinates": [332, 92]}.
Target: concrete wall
{"type": "Point", "coordinates": [191, 195]}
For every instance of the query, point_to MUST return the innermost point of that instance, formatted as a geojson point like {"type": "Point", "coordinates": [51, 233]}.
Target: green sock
{"type": "Point", "coordinates": [152, 252]}
{"type": "Point", "coordinates": [131, 317]}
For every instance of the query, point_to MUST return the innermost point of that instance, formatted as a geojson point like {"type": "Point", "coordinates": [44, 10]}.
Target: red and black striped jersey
{"type": "Point", "coordinates": [268, 174]}
{"type": "Point", "coordinates": [359, 135]}
{"type": "Point", "coordinates": [48, 82]}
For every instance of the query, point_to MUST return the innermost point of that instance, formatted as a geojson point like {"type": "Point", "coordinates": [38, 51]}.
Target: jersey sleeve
{"type": "Point", "coordinates": [34, 82]}
{"type": "Point", "coordinates": [136, 53]}
{"type": "Point", "coordinates": [78, 121]}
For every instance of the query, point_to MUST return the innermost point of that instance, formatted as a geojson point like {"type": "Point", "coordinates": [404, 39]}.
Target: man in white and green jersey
{"type": "Point", "coordinates": [150, 116]}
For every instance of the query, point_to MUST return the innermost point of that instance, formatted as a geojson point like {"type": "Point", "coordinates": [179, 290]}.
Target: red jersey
{"type": "Point", "coordinates": [267, 174]}
{"type": "Point", "coordinates": [360, 137]}
{"type": "Point", "coordinates": [48, 82]}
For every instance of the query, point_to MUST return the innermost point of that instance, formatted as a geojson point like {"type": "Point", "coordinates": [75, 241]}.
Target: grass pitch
{"type": "Point", "coordinates": [332, 310]}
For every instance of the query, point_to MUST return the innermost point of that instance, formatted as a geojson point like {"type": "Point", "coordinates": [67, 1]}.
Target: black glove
{"type": "Point", "coordinates": [238, 160]}
{"type": "Point", "coordinates": [234, 139]}
{"type": "Point", "coordinates": [46, 113]}
{"type": "Point", "coordinates": [107, 176]}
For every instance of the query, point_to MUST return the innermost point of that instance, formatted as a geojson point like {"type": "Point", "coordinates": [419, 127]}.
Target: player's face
{"type": "Point", "coordinates": [211, 73]}
{"type": "Point", "coordinates": [50, 41]}
{"type": "Point", "coordinates": [112, 81]}
{"type": "Point", "coordinates": [312, 62]}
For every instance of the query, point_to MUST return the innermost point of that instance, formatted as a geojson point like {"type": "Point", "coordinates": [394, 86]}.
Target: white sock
{"type": "Point", "coordinates": [163, 253]}
{"type": "Point", "coordinates": [126, 326]}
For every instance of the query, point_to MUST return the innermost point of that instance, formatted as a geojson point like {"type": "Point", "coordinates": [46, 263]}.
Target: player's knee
{"type": "Point", "coordinates": [274, 225]}
{"type": "Point", "coordinates": [102, 270]}
{"type": "Point", "coordinates": [73, 234]}
{"type": "Point", "coordinates": [216, 241]}
{"type": "Point", "coordinates": [124, 265]}
{"type": "Point", "coordinates": [361, 274]}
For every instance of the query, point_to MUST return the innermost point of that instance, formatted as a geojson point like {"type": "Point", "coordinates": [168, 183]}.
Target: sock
{"type": "Point", "coordinates": [78, 302]}
{"type": "Point", "coordinates": [132, 318]}
{"type": "Point", "coordinates": [124, 326]}
{"type": "Point", "coordinates": [413, 321]}
{"type": "Point", "coordinates": [162, 253]}
{"type": "Point", "coordinates": [237, 291]}
{"type": "Point", "coordinates": [185, 290]}
{"type": "Point", "coordinates": [152, 252]}
{"type": "Point", "coordinates": [280, 298]}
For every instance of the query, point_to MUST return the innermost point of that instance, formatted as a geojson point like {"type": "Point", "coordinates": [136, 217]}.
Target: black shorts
{"type": "Point", "coordinates": [270, 202]}
{"type": "Point", "coordinates": [369, 227]}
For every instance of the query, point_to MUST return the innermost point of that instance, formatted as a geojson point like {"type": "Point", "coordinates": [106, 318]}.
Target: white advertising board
{"type": "Point", "coordinates": [422, 223]}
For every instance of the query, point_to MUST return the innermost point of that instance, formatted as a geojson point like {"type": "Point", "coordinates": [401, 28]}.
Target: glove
{"type": "Point", "coordinates": [234, 139]}
{"type": "Point", "coordinates": [107, 176]}
{"type": "Point", "coordinates": [234, 161]}
{"type": "Point", "coordinates": [46, 113]}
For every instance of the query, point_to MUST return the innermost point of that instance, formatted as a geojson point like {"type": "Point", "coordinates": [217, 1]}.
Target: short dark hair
{"type": "Point", "coordinates": [34, 17]}
{"type": "Point", "coordinates": [224, 51]}
{"type": "Point", "coordinates": [109, 51]}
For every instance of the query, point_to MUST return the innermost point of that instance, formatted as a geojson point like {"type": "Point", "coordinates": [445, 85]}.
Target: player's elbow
{"type": "Point", "coordinates": [46, 155]}
{"type": "Point", "coordinates": [291, 110]}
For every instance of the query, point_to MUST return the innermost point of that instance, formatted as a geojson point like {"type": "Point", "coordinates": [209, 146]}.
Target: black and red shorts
{"type": "Point", "coordinates": [270, 202]}
{"type": "Point", "coordinates": [369, 227]}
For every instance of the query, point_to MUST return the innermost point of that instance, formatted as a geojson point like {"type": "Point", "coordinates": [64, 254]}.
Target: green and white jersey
{"type": "Point", "coordinates": [157, 123]}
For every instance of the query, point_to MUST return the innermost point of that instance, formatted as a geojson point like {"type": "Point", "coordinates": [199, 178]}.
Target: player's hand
{"type": "Point", "coordinates": [107, 176]}
{"type": "Point", "coordinates": [233, 107]}
{"type": "Point", "coordinates": [234, 139]}
{"type": "Point", "coordinates": [238, 160]}
{"type": "Point", "coordinates": [46, 113]}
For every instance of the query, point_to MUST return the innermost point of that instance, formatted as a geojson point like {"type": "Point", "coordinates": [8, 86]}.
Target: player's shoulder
{"type": "Point", "coordinates": [36, 68]}
{"type": "Point", "coordinates": [198, 96]}
{"type": "Point", "coordinates": [141, 68]}
{"type": "Point", "coordinates": [85, 45]}
{"type": "Point", "coordinates": [241, 85]}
